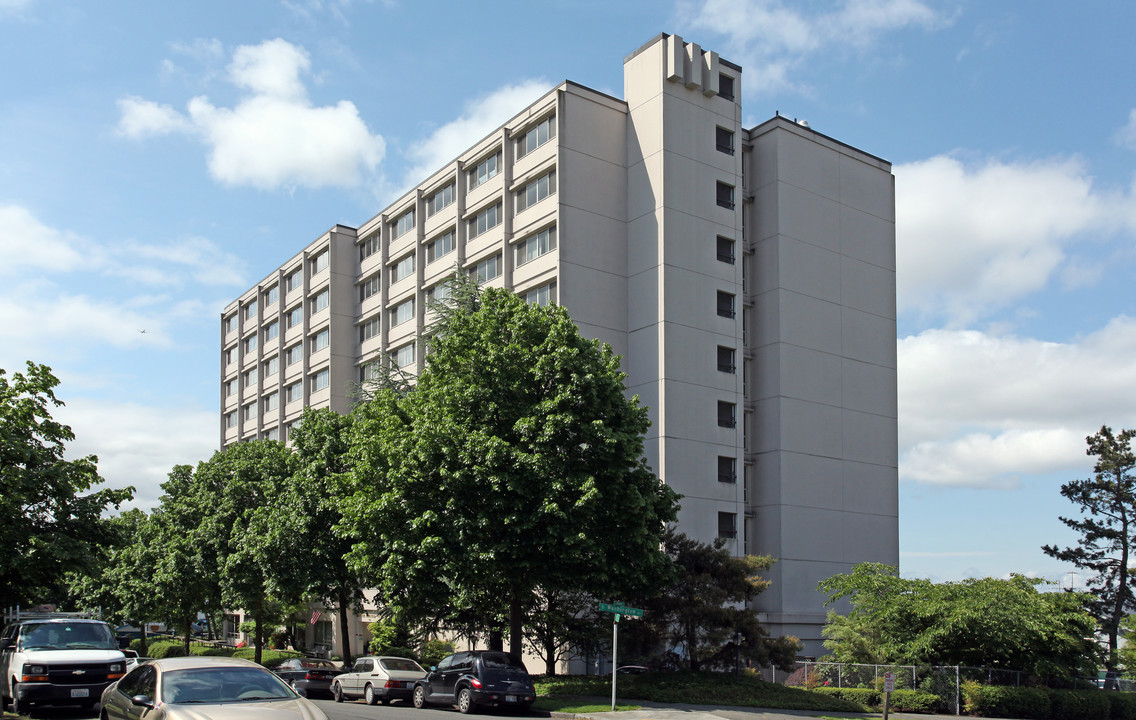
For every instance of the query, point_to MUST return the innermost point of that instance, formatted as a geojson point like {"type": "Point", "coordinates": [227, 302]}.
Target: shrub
{"type": "Point", "coordinates": [404, 652]}
{"type": "Point", "coordinates": [432, 651]}
{"type": "Point", "coordinates": [997, 701]}
{"type": "Point", "coordinates": [268, 658]}
{"type": "Point", "coordinates": [867, 698]}
{"type": "Point", "coordinates": [165, 648]}
{"type": "Point", "coordinates": [913, 701]}
{"type": "Point", "coordinates": [1122, 705]}
{"type": "Point", "coordinates": [1079, 705]}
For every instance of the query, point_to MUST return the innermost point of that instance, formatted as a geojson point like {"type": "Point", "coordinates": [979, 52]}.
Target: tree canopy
{"type": "Point", "coordinates": [50, 519]}
{"type": "Point", "coordinates": [978, 622]}
{"type": "Point", "coordinates": [514, 464]}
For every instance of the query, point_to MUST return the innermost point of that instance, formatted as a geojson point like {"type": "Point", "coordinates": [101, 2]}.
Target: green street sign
{"type": "Point", "coordinates": [621, 610]}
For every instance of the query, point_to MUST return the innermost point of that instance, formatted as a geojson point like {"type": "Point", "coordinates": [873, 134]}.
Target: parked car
{"type": "Point", "coordinates": [378, 679]}
{"type": "Point", "coordinates": [308, 676]}
{"type": "Point", "coordinates": [133, 659]}
{"type": "Point", "coordinates": [204, 688]}
{"type": "Point", "coordinates": [474, 679]}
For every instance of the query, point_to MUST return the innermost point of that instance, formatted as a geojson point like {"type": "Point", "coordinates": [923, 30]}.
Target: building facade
{"type": "Point", "coordinates": [746, 276]}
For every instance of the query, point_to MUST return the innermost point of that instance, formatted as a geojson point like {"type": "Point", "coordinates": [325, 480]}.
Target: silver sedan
{"type": "Point", "coordinates": [204, 688]}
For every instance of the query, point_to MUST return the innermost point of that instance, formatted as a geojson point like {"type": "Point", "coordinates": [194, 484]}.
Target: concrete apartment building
{"type": "Point", "coordinates": [746, 276]}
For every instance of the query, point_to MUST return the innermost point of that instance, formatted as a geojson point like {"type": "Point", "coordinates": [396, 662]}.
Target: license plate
{"type": "Point", "coordinates": [510, 698]}
{"type": "Point", "coordinates": [80, 692]}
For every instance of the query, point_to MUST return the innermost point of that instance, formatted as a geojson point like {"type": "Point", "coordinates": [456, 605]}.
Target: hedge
{"type": "Point", "coordinates": [1122, 705]}
{"type": "Point", "coordinates": [915, 701]}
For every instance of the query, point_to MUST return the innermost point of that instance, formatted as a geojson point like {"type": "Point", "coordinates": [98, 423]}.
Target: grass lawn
{"type": "Point", "coordinates": [577, 705]}
{"type": "Point", "coordinates": [693, 688]}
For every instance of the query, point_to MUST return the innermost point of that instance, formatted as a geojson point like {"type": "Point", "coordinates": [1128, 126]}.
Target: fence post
{"type": "Point", "coordinates": [958, 692]}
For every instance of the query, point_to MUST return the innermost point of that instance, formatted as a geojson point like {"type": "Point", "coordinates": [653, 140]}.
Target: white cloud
{"type": "Point", "coordinates": [979, 410]}
{"type": "Point", "coordinates": [138, 444]}
{"type": "Point", "coordinates": [480, 117]}
{"type": "Point", "coordinates": [26, 243]}
{"type": "Point", "coordinates": [38, 316]}
{"type": "Point", "coordinates": [973, 239]}
{"type": "Point", "coordinates": [772, 38]}
{"type": "Point", "coordinates": [1126, 136]}
{"type": "Point", "coordinates": [274, 137]}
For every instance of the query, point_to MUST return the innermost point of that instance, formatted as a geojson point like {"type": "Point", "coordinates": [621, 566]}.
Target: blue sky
{"type": "Point", "coordinates": [156, 159]}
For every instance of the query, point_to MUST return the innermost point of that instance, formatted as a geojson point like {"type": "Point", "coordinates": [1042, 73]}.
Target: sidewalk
{"type": "Point", "coordinates": [681, 711]}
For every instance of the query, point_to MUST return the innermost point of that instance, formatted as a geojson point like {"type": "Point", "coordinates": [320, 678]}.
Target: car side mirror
{"type": "Point", "coordinates": [6, 643]}
{"type": "Point", "coordinates": [142, 701]}
{"type": "Point", "coordinates": [433, 668]}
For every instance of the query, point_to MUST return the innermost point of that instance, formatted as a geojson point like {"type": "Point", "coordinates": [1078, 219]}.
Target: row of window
{"type": "Point", "coordinates": [294, 392]}
{"type": "Point", "coordinates": [271, 294]}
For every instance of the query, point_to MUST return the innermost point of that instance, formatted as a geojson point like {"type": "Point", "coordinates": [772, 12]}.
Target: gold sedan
{"type": "Point", "coordinates": [204, 688]}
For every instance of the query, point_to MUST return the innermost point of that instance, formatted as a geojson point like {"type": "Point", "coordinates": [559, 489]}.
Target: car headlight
{"type": "Point", "coordinates": [35, 670]}
{"type": "Point", "coordinates": [116, 667]}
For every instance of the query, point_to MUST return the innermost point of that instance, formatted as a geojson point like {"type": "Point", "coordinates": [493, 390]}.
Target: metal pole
{"type": "Point", "coordinates": [614, 655]}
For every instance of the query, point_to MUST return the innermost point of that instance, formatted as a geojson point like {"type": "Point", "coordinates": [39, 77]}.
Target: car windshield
{"type": "Point", "coordinates": [498, 660]}
{"type": "Point", "coordinates": [401, 664]}
{"type": "Point", "coordinates": [67, 636]}
{"type": "Point", "coordinates": [322, 664]}
{"type": "Point", "coordinates": [211, 685]}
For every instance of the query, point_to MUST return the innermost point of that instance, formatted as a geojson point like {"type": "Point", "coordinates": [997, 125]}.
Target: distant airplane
{"type": "Point", "coordinates": [142, 331]}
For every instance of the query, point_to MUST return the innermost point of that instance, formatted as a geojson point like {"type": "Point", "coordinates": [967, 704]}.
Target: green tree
{"type": "Point", "coordinates": [1107, 525]}
{"type": "Point", "coordinates": [515, 463]}
{"type": "Point", "coordinates": [560, 622]}
{"type": "Point", "coordinates": [981, 622]}
{"type": "Point", "coordinates": [704, 610]}
{"type": "Point", "coordinates": [49, 523]}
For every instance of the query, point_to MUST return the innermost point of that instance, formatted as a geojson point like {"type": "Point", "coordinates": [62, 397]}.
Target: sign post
{"type": "Point", "coordinates": [618, 609]}
{"type": "Point", "coordinates": [889, 686]}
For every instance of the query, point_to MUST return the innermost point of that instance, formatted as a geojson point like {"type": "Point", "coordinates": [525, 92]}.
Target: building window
{"type": "Point", "coordinates": [294, 354]}
{"type": "Point", "coordinates": [230, 355]}
{"type": "Point", "coordinates": [368, 371]}
{"type": "Point", "coordinates": [369, 287]}
{"type": "Point", "coordinates": [250, 344]}
{"type": "Point", "coordinates": [319, 262]}
{"type": "Point", "coordinates": [439, 292]}
{"type": "Point", "coordinates": [294, 392]}
{"type": "Point", "coordinates": [229, 324]}
{"type": "Point", "coordinates": [440, 200]}
{"type": "Point", "coordinates": [250, 412]}
{"type": "Point", "coordinates": [230, 387]}
{"type": "Point", "coordinates": [725, 304]}
{"type": "Point", "coordinates": [250, 378]}
{"type": "Point", "coordinates": [404, 312]}
{"type": "Point", "coordinates": [726, 86]}
{"type": "Point", "coordinates": [725, 249]}
{"type": "Point", "coordinates": [294, 281]}
{"type": "Point", "coordinates": [319, 302]}
{"type": "Point", "coordinates": [724, 140]}
{"type": "Point", "coordinates": [725, 195]}
{"type": "Point", "coordinates": [536, 136]}
{"type": "Point", "coordinates": [250, 311]}
{"type": "Point", "coordinates": [272, 331]}
{"type": "Point", "coordinates": [487, 269]}
{"type": "Point", "coordinates": [726, 416]}
{"type": "Point", "coordinates": [369, 247]}
{"type": "Point", "coordinates": [271, 402]}
{"type": "Point", "coordinates": [485, 220]}
{"type": "Point", "coordinates": [726, 360]}
{"type": "Point", "coordinates": [271, 295]}
{"type": "Point", "coordinates": [272, 434]}
{"type": "Point", "coordinates": [321, 380]}
{"type": "Point", "coordinates": [402, 269]}
{"type": "Point", "coordinates": [440, 247]}
{"type": "Point", "coordinates": [533, 247]}
{"type": "Point", "coordinates": [727, 469]}
{"type": "Point", "coordinates": [272, 366]}
{"type": "Point", "coordinates": [543, 295]}
{"type": "Point", "coordinates": [321, 340]}
{"type": "Point", "coordinates": [403, 225]}
{"type": "Point", "coordinates": [230, 420]}
{"type": "Point", "coordinates": [486, 169]}
{"type": "Point", "coordinates": [369, 329]}
{"type": "Point", "coordinates": [536, 191]}
{"type": "Point", "coordinates": [404, 355]}
{"type": "Point", "coordinates": [727, 525]}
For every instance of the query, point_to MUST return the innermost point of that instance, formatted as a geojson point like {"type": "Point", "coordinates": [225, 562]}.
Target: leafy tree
{"type": "Point", "coordinates": [49, 523]}
{"type": "Point", "coordinates": [515, 463]}
{"type": "Point", "coordinates": [562, 621]}
{"type": "Point", "coordinates": [1107, 525]}
{"type": "Point", "coordinates": [982, 622]}
{"type": "Point", "coordinates": [705, 609]}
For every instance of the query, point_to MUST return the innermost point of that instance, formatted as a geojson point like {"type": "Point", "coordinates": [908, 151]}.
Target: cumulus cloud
{"type": "Point", "coordinates": [28, 244]}
{"type": "Point", "coordinates": [772, 38]}
{"type": "Point", "coordinates": [138, 444]}
{"type": "Point", "coordinates": [479, 118]}
{"type": "Point", "coordinates": [973, 239]}
{"type": "Point", "coordinates": [978, 409]}
{"type": "Point", "coordinates": [274, 136]}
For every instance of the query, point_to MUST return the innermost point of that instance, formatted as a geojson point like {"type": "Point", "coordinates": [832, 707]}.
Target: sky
{"type": "Point", "coordinates": [157, 159]}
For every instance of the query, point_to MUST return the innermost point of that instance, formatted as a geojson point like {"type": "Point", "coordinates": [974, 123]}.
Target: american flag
{"type": "Point", "coordinates": [315, 616]}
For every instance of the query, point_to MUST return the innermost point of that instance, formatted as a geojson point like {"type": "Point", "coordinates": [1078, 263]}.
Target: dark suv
{"type": "Point", "coordinates": [478, 678]}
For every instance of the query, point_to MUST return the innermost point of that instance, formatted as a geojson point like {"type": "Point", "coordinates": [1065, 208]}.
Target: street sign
{"type": "Point", "coordinates": [620, 609]}
{"type": "Point", "coordinates": [889, 682]}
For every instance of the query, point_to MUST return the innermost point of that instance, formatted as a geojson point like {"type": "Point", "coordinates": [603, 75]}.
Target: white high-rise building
{"type": "Point", "coordinates": [746, 276]}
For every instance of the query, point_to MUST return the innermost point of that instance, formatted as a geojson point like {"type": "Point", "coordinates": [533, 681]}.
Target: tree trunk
{"type": "Point", "coordinates": [188, 627]}
{"type": "Point", "coordinates": [258, 638]}
{"type": "Point", "coordinates": [549, 655]}
{"type": "Point", "coordinates": [496, 642]}
{"type": "Point", "coordinates": [142, 637]}
{"type": "Point", "coordinates": [516, 624]}
{"type": "Point", "coordinates": [344, 635]}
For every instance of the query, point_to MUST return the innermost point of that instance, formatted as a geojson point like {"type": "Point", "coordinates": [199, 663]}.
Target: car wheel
{"type": "Point", "coordinates": [337, 692]}
{"type": "Point", "coordinates": [419, 697]}
{"type": "Point", "coordinates": [18, 707]}
{"type": "Point", "coordinates": [369, 695]}
{"type": "Point", "coordinates": [465, 701]}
